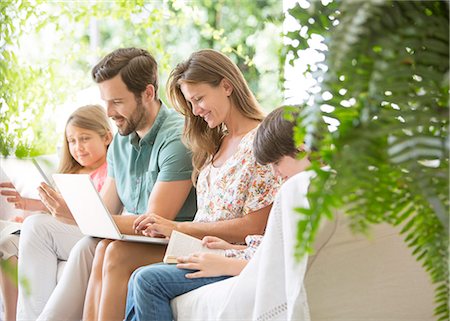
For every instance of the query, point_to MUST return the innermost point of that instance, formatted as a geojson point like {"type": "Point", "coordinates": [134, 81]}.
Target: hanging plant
{"type": "Point", "coordinates": [384, 92]}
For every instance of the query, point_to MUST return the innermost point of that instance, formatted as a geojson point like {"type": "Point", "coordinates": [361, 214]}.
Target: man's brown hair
{"type": "Point", "coordinates": [136, 67]}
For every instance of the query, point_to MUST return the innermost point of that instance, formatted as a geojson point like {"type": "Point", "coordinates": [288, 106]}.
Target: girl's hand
{"type": "Point", "coordinates": [54, 201]}
{"type": "Point", "coordinates": [154, 225]}
{"type": "Point", "coordinates": [12, 196]}
{"type": "Point", "coordinates": [213, 242]}
{"type": "Point", "coordinates": [208, 265]}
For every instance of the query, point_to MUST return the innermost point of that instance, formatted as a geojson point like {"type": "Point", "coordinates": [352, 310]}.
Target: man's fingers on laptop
{"type": "Point", "coordinates": [138, 221]}
{"type": "Point", "coordinates": [144, 221]}
{"type": "Point", "coordinates": [161, 226]}
{"type": "Point", "coordinates": [153, 233]}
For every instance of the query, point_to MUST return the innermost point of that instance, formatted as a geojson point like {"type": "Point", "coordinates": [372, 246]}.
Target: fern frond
{"type": "Point", "coordinates": [388, 67]}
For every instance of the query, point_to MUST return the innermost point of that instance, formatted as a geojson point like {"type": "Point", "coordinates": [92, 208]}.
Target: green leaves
{"type": "Point", "coordinates": [387, 76]}
{"type": "Point", "coordinates": [28, 90]}
{"type": "Point", "coordinates": [41, 75]}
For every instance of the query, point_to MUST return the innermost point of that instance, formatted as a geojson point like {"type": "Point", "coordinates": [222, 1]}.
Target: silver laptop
{"type": "Point", "coordinates": [26, 175]}
{"type": "Point", "coordinates": [88, 210]}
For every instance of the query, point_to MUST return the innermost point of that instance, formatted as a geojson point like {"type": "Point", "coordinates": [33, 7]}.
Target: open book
{"type": "Point", "coordinates": [181, 244]}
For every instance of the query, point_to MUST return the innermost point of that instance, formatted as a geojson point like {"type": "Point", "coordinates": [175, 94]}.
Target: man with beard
{"type": "Point", "coordinates": [149, 171]}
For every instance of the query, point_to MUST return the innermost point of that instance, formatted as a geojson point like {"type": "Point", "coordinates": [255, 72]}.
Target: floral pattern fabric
{"type": "Point", "coordinates": [240, 186]}
{"type": "Point", "coordinates": [252, 241]}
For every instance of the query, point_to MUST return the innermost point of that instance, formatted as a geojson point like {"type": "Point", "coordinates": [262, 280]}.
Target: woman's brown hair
{"type": "Point", "coordinates": [209, 67]}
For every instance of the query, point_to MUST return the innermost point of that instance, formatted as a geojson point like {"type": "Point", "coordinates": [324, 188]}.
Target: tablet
{"type": "Point", "coordinates": [25, 174]}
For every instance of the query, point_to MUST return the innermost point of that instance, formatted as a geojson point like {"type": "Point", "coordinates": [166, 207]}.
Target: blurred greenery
{"type": "Point", "coordinates": [10, 269]}
{"type": "Point", "coordinates": [48, 48]}
{"type": "Point", "coordinates": [378, 113]}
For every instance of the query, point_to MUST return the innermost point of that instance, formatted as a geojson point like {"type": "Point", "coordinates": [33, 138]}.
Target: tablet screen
{"type": "Point", "coordinates": [25, 175]}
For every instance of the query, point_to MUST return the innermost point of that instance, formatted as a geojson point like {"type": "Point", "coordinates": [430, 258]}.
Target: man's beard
{"type": "Point", "coordinates": [136, 120]}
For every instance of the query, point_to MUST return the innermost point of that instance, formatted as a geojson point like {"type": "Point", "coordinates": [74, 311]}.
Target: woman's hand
{"type": "Point", "coordinates": [154, 225]}
{"type": "Point", "coordinates": [12, 196]}
{"type": "Point", "coordinates": [210, 265]}
{"type": "Point", "coordinates": [54, 202]}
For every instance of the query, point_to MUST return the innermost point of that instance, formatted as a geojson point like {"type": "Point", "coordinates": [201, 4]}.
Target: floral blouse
{"type": "Point", "coordinates": [252, 241]}
{"type": "Point", "coordinates": [240, 186]}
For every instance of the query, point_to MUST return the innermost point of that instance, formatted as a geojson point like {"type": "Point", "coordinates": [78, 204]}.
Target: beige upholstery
{"type": "Point", "coordinates": [355, 278]}
{"type": "Point", "coordinates": [351, 278]}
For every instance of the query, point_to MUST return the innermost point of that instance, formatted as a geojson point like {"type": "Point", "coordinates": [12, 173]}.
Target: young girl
{"type": "Point", "coordinates": [234, 193]}
{"type": "Point", "coordinates": [86, 138]}
{"type": "Point", "coordinates": [152, 288]}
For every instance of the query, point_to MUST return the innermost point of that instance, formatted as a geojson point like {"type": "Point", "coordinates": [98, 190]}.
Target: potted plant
{"type": "Point", "coordinates": [383, 89]}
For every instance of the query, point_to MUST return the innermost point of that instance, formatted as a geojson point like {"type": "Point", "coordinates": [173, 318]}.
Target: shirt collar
{"type": "Point", "coordinates": [150, 137]}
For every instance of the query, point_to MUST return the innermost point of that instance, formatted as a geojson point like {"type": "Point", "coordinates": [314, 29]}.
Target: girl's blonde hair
{"type": "Point", "coordinates": [91, 117]}
{"type": "Point", "coordinates": [209, 67]}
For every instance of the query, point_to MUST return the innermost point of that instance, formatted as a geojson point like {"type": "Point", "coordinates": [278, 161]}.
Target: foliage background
{"type": "Point", "coordinates": [382, 88]}
{"type": "Point", "coordinates": [47, 49]}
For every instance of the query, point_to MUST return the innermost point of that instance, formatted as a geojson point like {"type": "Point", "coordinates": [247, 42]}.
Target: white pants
{"type": "Point", "coordinates": [43, 242]}
{"type": "Point", "coordinates": [67, 300]}
{"type": "Point", "coordinates": [9, 243]}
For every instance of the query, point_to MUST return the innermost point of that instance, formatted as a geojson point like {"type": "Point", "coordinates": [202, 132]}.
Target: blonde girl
{"type": "Point", "coordinates": [87, 135]}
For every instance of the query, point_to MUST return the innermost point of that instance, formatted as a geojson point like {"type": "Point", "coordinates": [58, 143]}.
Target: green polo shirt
{"type": "Point", "coordinates": [137, 164]}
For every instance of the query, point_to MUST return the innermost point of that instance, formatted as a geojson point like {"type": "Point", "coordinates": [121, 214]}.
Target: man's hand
{"type": "Point", "coordinates": [154, 225]}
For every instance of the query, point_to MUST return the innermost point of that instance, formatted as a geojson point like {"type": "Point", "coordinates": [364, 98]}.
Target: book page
{"type": "Point", "coordinates": [181, 244]}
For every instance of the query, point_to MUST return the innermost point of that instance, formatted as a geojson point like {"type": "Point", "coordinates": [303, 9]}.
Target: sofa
{"type": "Point", "coordinates": [354, 278]}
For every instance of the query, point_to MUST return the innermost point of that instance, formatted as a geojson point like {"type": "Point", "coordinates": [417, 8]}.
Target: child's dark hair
{"type": "Point", "coordinates": [275, 137]}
